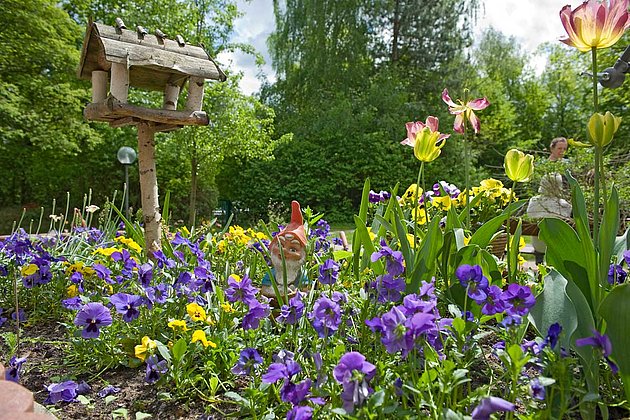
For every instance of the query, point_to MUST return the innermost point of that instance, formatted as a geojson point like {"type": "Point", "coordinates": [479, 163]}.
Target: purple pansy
{"type": "Point", "coordinates": [155, 368]}
{"type": "Point", "coordinates": [602, 342]}
{"type": "Point", "coordinates": [248, 359]}
{"type": "Point", "coordinates": [354, 373]}
{"type": "Point", "coordinates": [329, 272]}
{"type": "Point", "coordinates": [145, 274]}
{"type": "Point", "coordinates": [519, 299]}
{"type": "Point", "coordinates": [616, 274]}
{"type": "Point", "coordinates": [325, 317]}
{"type": "Point", "coordinates": [302, 412]}
{"type": "Point", "coordinates": [552, 334]}
{"type": "Point", "coordinates": [64, 391]}
{"type": "Point", "coordinates": [14, 369]}
{"type": "Point", "coordinates": [108, 390]}
{"type": "Point", "coordinates": [92, 317]}
{"type": "Point", "coordinates": [290, 314]}
{"type": "Point", "coordinates": [257, 311]}
{"type": "Point", "coordinates": [240, 291]}
{"type": "Point", "coordinates": [74, 303]}
{"type": "Point", "coordinates": [393, 259]}
{"type": "Point", "coordinates": [489, 406]}
{"type": "Point", "coordinates": [127, 305]}
{"type": "Point", "coordinates": [103, 273]}
{"type": "Point", "coordinates": [493, 302]}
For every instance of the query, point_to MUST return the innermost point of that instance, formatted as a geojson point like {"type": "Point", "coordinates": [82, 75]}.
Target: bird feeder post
{"type": "Point", "coordinates": [148, 187]}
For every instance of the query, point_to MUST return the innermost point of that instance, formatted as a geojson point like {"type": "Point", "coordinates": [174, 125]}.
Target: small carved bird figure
{"type": "Point", "coordinates": [180, 40]}
{"type": "Point", "coordinates": [161, 35]}
{"type": "Point", "coordinates": [141, 31]}
{"type": "Point", "coordinates": [120, 25]}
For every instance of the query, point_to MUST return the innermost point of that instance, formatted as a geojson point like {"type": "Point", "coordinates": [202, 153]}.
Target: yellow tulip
{"type": "Point", "coordinates": [602, 128]}
{"type": "Point", "coordinates": [428, 145]}
{"type": "Point", "coordinates": [518, 166]}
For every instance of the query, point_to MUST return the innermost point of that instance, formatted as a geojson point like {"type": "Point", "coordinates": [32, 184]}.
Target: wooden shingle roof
{"type": "Point", "coordinates": [153, 62]}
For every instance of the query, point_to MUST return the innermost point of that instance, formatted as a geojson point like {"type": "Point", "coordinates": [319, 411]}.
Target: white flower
{"type": "Point", "coordinates": [92, 208]}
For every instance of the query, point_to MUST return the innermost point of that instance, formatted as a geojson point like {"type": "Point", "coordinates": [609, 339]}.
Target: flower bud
{"type": "Point", "coordinates": [518, 166]}
{"type": "Point", "coordinates": [602, 128]}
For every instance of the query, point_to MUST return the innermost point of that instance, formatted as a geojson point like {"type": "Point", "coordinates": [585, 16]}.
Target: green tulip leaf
{"type": "Point", "coordinates": [616, 311]}
{"type": "Point", "coordinates": [554, 305]}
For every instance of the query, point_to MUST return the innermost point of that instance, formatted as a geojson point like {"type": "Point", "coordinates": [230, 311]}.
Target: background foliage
{"type": "Point", "coordinates": [350, 73]}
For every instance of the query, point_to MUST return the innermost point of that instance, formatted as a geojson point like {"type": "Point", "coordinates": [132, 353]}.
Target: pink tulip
{"type": "Point", "coordinates": [595, 24]}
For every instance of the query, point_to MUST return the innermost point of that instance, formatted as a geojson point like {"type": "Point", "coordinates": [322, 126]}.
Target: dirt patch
{"type": "Point", "coordinates": [44, 346]}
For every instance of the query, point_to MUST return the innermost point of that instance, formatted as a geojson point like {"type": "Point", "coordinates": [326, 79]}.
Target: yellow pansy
{"type": "Point", "coordinates": [130, 243]}
{"type": "Point", "coordinates": [236, 277]}
{"type": "Point", "coordinates": [79, 267]}
{"type": "Point", "coordinates": [420, 215]}
{"type": "Point", "coordinates": [227, 307]}
{"type": "Point", "coordinates": [442, 203]}
{"type": "Point", "coordinates": [490, 183]}
{"type": "Point", "coordinates": [72, 291]}
{"type": "Point", "coordinates": [196, 312]}
{"type": "Point", "coordinates": [178, 325]}
{"type": "Point", "coordinates": [372, 234]}
{"type": "Point", "coordinates": [412, 240]}
{"type": "Point", "coordinates": [106, 251]}
{"type": "Point", "coordinates": [200, 335]}
{"type": "Point", "coordinates": [29, 270]}
{"type": "Point", "coordinates": [466, 240]}
{"type": "Point", "coordinates": [141, 350]}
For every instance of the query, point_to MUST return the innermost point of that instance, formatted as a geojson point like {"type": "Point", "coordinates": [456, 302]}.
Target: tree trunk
{"type": "Point", "coordinates": [395, 31]}
{"type": "Point", "coordinates": [149, 188]}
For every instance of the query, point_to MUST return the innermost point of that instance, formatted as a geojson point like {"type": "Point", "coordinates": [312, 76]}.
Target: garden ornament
{"type": "Point", "coordinates": [288, 253]}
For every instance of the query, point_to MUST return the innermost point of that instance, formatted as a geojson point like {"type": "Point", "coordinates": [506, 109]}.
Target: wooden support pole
{"type": "Point", "coordinates": [119, 85]}
{"type": "Point", "coordinates": [149, 188]}
{"type": "Point", "coordinates": [171, 93]}
{"type": "Point", "coordinates": [195, 94]}
{"type": "Point", "coordinates": [99, 85]}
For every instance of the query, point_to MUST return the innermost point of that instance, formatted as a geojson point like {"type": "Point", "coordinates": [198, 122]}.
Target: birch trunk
{"type": "Point", "coordinates": [149, 188]}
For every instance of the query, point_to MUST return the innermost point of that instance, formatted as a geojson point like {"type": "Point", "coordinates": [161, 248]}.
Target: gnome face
{"type": "Point", "coordinates": [292, 248]}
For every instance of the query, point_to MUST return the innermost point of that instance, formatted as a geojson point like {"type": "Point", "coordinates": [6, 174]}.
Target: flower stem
{"type": "Point", "coordinates": [424, 192]}
{"type": "Point", "coordinates": [509, 239]}
{"type": "Point", "coordinates": [598, 156]}
{"type": "Point", "coordinates": [467, 175]}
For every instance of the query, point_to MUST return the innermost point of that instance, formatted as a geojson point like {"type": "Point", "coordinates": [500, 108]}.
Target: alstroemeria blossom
{"type": "Point", "coordinates": [594, 23]}
{"type": "Point", "coordinates": [426, 140]}
{"type": "Point", "coordinates": [463, 111]}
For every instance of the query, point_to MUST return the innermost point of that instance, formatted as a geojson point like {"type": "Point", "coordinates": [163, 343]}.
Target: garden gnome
{"type": "Point", "coordinates": [289, 243]}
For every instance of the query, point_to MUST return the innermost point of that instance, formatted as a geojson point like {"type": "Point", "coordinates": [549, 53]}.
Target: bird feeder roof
{"type": "Point", "coordinates": [153, 61]}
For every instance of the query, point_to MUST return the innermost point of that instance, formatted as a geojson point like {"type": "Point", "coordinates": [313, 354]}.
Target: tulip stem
{"type": "Point", "coordinates": [425, 197]}
{"type": "Point", "coordinates": [467, 175]}
{"type": "Point", "coordinates": [598, 157]}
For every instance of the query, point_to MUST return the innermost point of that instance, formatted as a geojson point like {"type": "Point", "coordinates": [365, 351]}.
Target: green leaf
{"type": "Point", "coordinates": [615, 309]}
{"type": "Point", "coordinates": [163, 350]}
{"type": "Point", "coordinates": [179, 348]}
{"type": "Point", "coordinates": [608, 234]}
{"type": "Point", "coordinates": [84, 400]}
{"type": "Point", "coordinates": [566, 253]}
{"type": "Point", "coordinates": [110, 398]}
{"type": "Point", "coordinates": [341, 254]}
{"type": "Point", "coordinates": [140, 415]}
{"type": "Point", "coordinates": [554, 305]}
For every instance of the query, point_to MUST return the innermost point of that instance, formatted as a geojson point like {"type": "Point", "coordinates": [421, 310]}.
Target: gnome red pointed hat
{"type": "Point", "coordinates": [295, 226]}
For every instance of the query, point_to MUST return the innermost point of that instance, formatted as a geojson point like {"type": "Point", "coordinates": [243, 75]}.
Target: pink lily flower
{"type": "Point", "coordinates": [413, 128]}
{"type": "Point", "coordinates": [595, 24]}
{"type": "Point", "coordinates": [462, 111]}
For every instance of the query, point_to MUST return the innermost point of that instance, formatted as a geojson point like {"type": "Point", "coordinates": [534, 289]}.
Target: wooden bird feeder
{"type": "Point", "coordinates": [114, 59]}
